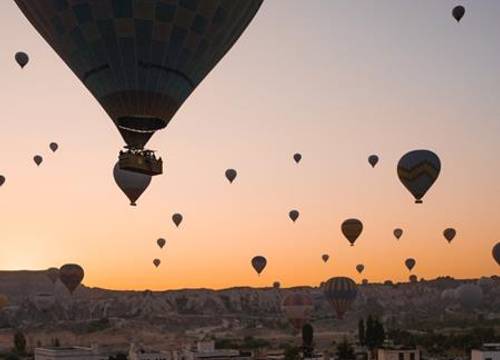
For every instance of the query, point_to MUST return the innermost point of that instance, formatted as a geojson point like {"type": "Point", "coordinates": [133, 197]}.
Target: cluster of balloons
{"type": "Point", "coordinates": [71, 275]}
{"type": "Point", "coordinates": [161, 242]}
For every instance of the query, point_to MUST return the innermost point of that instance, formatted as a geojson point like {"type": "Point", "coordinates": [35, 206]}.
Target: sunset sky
{"type": "Point", "coordinates": [336, 80]}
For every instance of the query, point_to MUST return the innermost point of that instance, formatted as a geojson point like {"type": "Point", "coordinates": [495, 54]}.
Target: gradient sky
{"type": "Point", "coordinates": [336, 80]}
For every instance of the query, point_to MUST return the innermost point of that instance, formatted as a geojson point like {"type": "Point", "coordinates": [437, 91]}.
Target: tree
{"type": "Point", "coordinates": [292, 353]}
{"type": "Point", "coordinates": [361, 332]}
{"type": "Point", "coordinates": [19, 342]}
{"type": "Point", "coordinates": [379, 333]}
{"type": "Point", "coordinates": [307, 340]}
{"type": "Point", "coordinates": [370, 333]}
{"type": "Point", "coordinates": [345, 350]}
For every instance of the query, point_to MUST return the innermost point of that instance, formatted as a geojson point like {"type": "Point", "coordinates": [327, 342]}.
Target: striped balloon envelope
{"type": "Point", "coordinates": [341, 293]}
{"type": "Point", "coordinates": [418, 170]}
{"type": "Point", "coordinates": [298, 308]}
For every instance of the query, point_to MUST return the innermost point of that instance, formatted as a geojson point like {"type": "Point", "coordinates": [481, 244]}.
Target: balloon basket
{"type": "Point", "coordinates": [140, 161]}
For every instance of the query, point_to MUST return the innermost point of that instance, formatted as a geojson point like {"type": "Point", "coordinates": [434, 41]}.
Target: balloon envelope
{"type": "Point", "coordinates": [373, 160]}
{"type": "Point", "coordinates": [418, 170]}
{"type": "Point", "coordinates": [22, 59]}
{"type": "Point", "coordinates": [298, 309]}
{"type": "Point", "coordinates": [360, 268]}
{"type": "Point", "coordinates": [413, 278]}
{"type": "Point", "coordinates": [53, 146]}
{"type": "Point", "coordinates": [398, 233]}
{"type": "Point", "coordinates": [71, 275]}
{"type": "Point", "coordinates": [161, 242]}
{"type": "Point", "coordinates": [496, 253]}
{"type": "Point", "coordinates": [53, 274]}
{"type": "Point", "coordinates": [156, 262]}
{"type": "Point", "coordinates": [177, 219]}
{"type": "Point", "coordinates": [458, 12]}
{"type": "Point", "coordinates": [132, 183]}
{"type": "Point", "coordinates": [37, 159]}
{"type": "Point", "coordinates": [410, 263]}
{"type": "Point", "coordinates": [231, 175]}
{"type": "Point", "coordinates": [293, 215]}
{"type": "Point", "coordinates": [325, 257]}
{"type": "Point", "coordinates": [259, 263]}
{"type": "Point", "coordinates": [449, 234]}
{"type": "Point", "coordinates": [141, 60]}
{"type": "Point", "coordinates": [297, 157]}
{"type": "Point", "coordinates": [2, 180]}
{"type": "Point", "coordinates": [352, 228]}
{"type": "Point", "coordinates": [340, 293]}
{"type": "Point", "coordinates": [276, 285]}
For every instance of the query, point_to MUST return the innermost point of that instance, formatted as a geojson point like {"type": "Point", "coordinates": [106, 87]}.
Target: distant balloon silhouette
{"type": "Point", "coordinates": [22, 59]}
{"type": "Point", "coordinates": [132, 183]}
{"type": "Point", "coordinates": [53, 274]}
{"type": "Point", "coordinates": [496, 253]}
{"type": "Point", "coordinates": [293, 215]}
{"type": "Point", "coordinates": [413, 278]}
{"type": "Point", "coordinates": [352, 228]}
{"type": "Point", "coordinates": [177, 219]}
{"type": "Point", "coordinates": [360, 268]}
{"type": "Point", "coordinates": [71, 275]}
{"type": "Point", "coordinates": [449, 234]}
{"type": "Point", "coordinates": [298, 309]}
{"type": "Point", "coordinates": [418, 170]}
{"type": "Point", "coordinates": [373, 160]}
{"type": "Point", "coordinates": [364, 282]}
{"type": "Point", "coordinates": [53, 146]}
{"type": "Point", "coordinates": [231, 175]}
{"type": "Point", "coordinates": [325, 257]}
{"type": "Point", "coordinates": [340, 293]}
{"type": "Point", "coordinates": [276, 285]}
{"type": "Point", "coordinates": [161, 242]}
{"type": "Point", "coordinates": [410, 263]}
{"type": "Point", "coordinates": [259, 264]}
{"type": "Point", "coordinates": [398, 233]}
{"type": "Point", "coordinates": [2, 180]}
{"type": "Point", "coordinates": [297, 157]}
{"type": "Point", "coordinates": [37, 159]}
{"type": "Point", "coordinates": [458, 12]}
{"type": "Point", "coordinates": [156, 262]}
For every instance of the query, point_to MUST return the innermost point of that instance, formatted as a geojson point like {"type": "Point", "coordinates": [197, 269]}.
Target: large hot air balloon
{"type": "Point", "coordinates": [132, 183]}
{"type": "Point", "coordinates": [156, 262]}
{"type": "Point", "coordinates": [22, 59]}
{"type": "Point", "coordinates": [2, 180]}
{"type": "Point", "coordinates": [398, 233]}
{"type": "Point", "coordinates": [37, 159]}
{"type": "Point", "coordinates": [325, 257]}
{"type": "Point", "coordinates": [177, 219]}
{"type": "Point", "coordinates": [53, 274]}
{"type": "Point", "coordinates": [373, 160]}
{"type": "Point", "coordinates": [231, 175]}
{"type": "Point", "coordinates": [140, 59]}
{"type": "Point", "coordinates": [161, 242]}
{"type": "Point", "coordinates": [496, 253]}
{"type": "Point", "coordinates": [293, 215]}
{"type": "Point", "coordinates": [418, 170]}
{"type": "Point", "coordinates": [360, 268]}
{"type": "Point", "coordinates": [458, 12]}
{"type": "Point", "coordinates": [297, 157]}
{"type": "Point", "coordinates": [410, 263]}
{"type": "Point", "coordinates": [259, 263]}
{"type": "Point", "coordinates": [71, 275]}
{"type": "Point", "coordinates": [449, 234]}
{"type": "Point", "coordinates": [352, 228]}
{"type": "Point", "coordinates": [470, 296]}
{"type": "Point", "coordinates": [340, 293]}
{"type": "Point", "coordinates": [53, 146]}
{"type": "Point", "coordinates": [298, 308]}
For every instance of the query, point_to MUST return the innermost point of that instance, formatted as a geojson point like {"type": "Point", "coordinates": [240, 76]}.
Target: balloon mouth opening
{"type": "Point", "coordinates": [418, 201]}
{"type": "Point", "coordinates": [140, 123]}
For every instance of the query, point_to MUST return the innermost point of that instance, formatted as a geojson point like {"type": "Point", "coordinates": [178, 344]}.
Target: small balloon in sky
{"type": "Point", "coordinates": [373, 160]}
{"type": "Point", "coordinates": [231, 175]}
{"type": "Point", "coordinates": [449, 234]}
{"type": "Point", "coordinates": [22, 59]}
{"type": "Point", "coordinates": [177, 219]}
{"type": "Point", "coordinates": [458, 12]}
{"type": "Point", "coordinates": [297, 157]}
{"type": "Point", "coordinates": [352, 228]}
{"type": "Point", "coordinates": [410, 263]}
{"type": "Point", "coordinates": [156, 262]}
{"type": "Point", "coordinates": [259, 264]}
{"type": "Point", "coordinates": [37, 159]}
{"type": "Point", "coordinates": [71, 275]}
{"type": "Point", "coordinates": [2, 180]}
{"type": "Point", "coordinates": [53, 146]}
{"type": "Point", "coordinates": [360, 268]}
{"type": "Point", "coordinates": [293, 215]}
{"type": "Point", "coordinates": [325, 257]}
{"type": "Point", "coordinates": [161, 242]}
{"type": "Point", "coordinates": [398, 233]}
{"type": "Point", "coordinates": [496, 253]}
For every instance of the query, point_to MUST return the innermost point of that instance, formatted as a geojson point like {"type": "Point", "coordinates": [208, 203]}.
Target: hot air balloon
{"type": "Point", "coordinates": [276, 285]}
{"type": "Point", "coordinates": [37, 159]}
{"type": "Point", "coordinates": [293, 215]}
{"type": "Point", "coordinates": [418, 170]}
{"type": "Point", "coordinates": [2, 180]}
{"type": "Point", "coordinates": [496, 253]}
{"type": "Point", "coordinates": [132, 183]}
{"type": "Point", "coordinates": [156, 262]}
{"type": "Point", "coordinates": [297, 157]}
{"type": "Point", "coordinates": [71, 275]}
{"type": "Point", "coordinates": [398, 233]}
{"type": "Point", "coordinates": [352, 228]}
{"type": "Point", "coordinates": [364, 282]}
{"type": "Point", "coordinates": [4, 301]}
{"type": "Point", "coordinates": [53, 146]}
{"type": "Point", "coordinates": [449, 234]}
{"type": "Point", "coordinates": [177, 219]}
{"type": "Point", "coordinates": [360, 268]}
{"type": "Point", "coordinates": [410, 263]}
{"type": "Point", "coordinates": [161, 242]}
{"type": "Point", "coordinates": [325, 257]}
{"type": "Point", "coordinates": [458, 12]}
{"type": "Point", "coordinates": [22, 59]}
{"type": "Point", "coordinates": [298, 308]}
{"type": "Point", "coordinates": [259, 263]}
{"type": "Point", "coordinates": [140, 60]}
{"type": "Point", "coordinates": [413, 278]}
{"type": "Point", "coordinates": [340, 293]}
{"type": "Point", "coordinates": [373, 160]}
{"type": "Point", "coordinates": [53, 274]}
{"type": "Point", "coordinates": [470, 296]}
{"type": "Point", "coordinates": [231, 175]}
